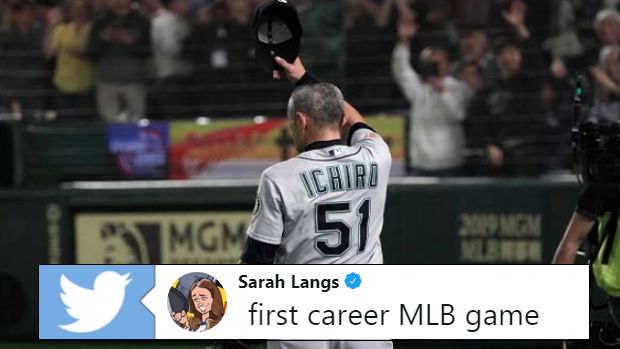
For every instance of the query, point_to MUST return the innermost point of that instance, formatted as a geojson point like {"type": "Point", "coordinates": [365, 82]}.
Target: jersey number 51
{"type": "Point", "coordinates": [323, 226]}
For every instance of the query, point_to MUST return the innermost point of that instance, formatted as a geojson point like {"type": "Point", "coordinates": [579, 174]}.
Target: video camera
{"type": "Point", "coordinates": [598, 149]}
{"type": "Point", "coordinates": [596, 146]}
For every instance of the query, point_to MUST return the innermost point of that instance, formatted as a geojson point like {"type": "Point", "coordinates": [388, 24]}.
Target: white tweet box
{"type": "Point", "coordinates": [392, 302]}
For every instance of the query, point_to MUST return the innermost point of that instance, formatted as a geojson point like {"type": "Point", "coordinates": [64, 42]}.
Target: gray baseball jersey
{"type": "Point", "coordinates": [326, 205]}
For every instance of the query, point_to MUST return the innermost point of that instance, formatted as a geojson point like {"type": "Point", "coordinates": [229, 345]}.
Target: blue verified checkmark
{"type": "Point", "coordinates": [353, 281]}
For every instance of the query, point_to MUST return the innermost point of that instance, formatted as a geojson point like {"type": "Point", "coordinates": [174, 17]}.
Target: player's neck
{"type": "Point", "coordinates": [323, 137]}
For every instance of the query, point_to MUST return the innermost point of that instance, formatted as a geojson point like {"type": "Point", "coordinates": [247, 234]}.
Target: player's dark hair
{"type": "Point", "coordinates": [322, 102]}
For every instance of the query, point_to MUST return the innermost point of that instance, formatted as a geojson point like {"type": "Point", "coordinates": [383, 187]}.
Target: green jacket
{"type": "Point", "coordinates": [607, 273]}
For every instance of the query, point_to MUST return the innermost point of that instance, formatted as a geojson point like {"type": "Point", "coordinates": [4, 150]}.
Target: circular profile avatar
{"type": "Point", "coordinates": [197, 302]}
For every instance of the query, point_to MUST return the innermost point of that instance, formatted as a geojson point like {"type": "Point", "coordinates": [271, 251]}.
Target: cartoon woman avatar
{"type": "Point", "coordinates": [206, 307]}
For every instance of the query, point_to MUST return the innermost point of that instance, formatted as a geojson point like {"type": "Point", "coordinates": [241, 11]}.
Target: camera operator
{"type": "Point", "coordinates": [598, 203]}
{"type": "Point", "coordinates": [438, 105]}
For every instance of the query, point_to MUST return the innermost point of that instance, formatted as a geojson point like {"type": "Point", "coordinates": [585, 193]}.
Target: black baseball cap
{"type": "Point", "coordinates": [277, 32]}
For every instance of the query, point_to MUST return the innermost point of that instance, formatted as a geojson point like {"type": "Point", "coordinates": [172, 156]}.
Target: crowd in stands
{"type": "Point", "coordinates": [122, 60]}
{"type": "Point", "coordinates": [487, 83]}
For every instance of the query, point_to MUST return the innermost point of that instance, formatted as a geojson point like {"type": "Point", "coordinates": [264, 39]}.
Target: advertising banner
{"type": "Point", "coordinates": [140, 151]}
{"type": "Point", "coordinates": [245, 148]}
{"type": "Point", "coordinates": [160, 238]}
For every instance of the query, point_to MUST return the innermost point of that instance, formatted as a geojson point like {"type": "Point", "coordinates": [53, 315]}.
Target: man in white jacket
{"type": "Point", "coordinates": [172, 72]}
{"type": "Point", "coordinates": [438, 107]}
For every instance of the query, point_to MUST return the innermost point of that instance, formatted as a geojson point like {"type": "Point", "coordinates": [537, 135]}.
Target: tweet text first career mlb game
{"type": "Point", "coordinates": [356, 302]}
{"type": "Point", "coordinates": [390, 301]}
{"type": "Point", "coordinates": [408, 314]}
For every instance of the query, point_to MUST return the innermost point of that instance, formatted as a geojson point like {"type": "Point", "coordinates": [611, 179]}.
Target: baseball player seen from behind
{"type": "Point", "coordinates": [326, 205]}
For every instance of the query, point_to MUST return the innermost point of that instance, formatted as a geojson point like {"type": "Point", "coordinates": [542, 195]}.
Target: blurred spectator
{"type": "Point", "coordinates": [172, 71]}
{"type": "Point", "coordinates": [120, 43]}
{"type": "Point", "coordinates": [370, 35]}
{"type": "Point", "coordinates": [471, 13]}
{"type": "Point", "coordinates": [23, 74]}
{"type": "Point", "coordinates": [508, 20]}
{"type": "Point", "coordinates": [152, 9]}
{"type": "Point", "coordinates": [471, 74]}
{"type": "Point", "coordinates": [436, 25]}
{"type": "Point", "coordinates": [613, 4]}
{"type": "Point", "coordinates": [555, 122]}
{"type": "Point", "coordinates": [606, 104]}
{"type": "Point", "coordinates": [607, 27]}
{"type": "Point", "coordinates": [322, 48]}
{"type": "Point", "coordinates": [474, 48]}
{"type": "Point", "coordinates": [98, 8]}
{"type": "Point", "coordinates": [221, 47]}
{"type": "Point", "coordinates": [607, 24]}
{"type": "Point", "coordinates": [235, 50]}
{"type": "Point", "coordinates": [501, 121]}
{"type": "Point", "coordinates": [73, 74]}
{"type": "Point", "coordinates": [510, 24]}
{"type": "Point", "coordinates": [377, 11]}
{"type": "Point", "coordinates": [438, 104]}
{"type": "Point", "coordinates": [381, 13]}
{"type": "Point", "coordinates": [571, 29]}
{"type": "Point", "coordinates": [196, 44]}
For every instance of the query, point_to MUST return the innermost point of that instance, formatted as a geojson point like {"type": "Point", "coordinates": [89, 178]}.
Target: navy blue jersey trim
{"type": "Point", "coordinates": [307, 79]}
{"type": "Point", "coordinates": [324, 144]}
{"type": "Point", "coordinates": [257, 252]}
{"type": "Point", "coordinates": [326, 160]}
{"type": "Point", "coordinates": [357, 127]}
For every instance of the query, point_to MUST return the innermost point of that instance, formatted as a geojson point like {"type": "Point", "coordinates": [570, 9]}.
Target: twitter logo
{"type": "Point", "coordinates": [95, 302]}
{"type": "Point", "coordinates": [109, 289]}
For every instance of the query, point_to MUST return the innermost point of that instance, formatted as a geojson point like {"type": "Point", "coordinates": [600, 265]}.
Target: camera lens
{"type": "Point", "coordinates": [614, 136]}
{"type": "Point", "coordinates": [590, 135]}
